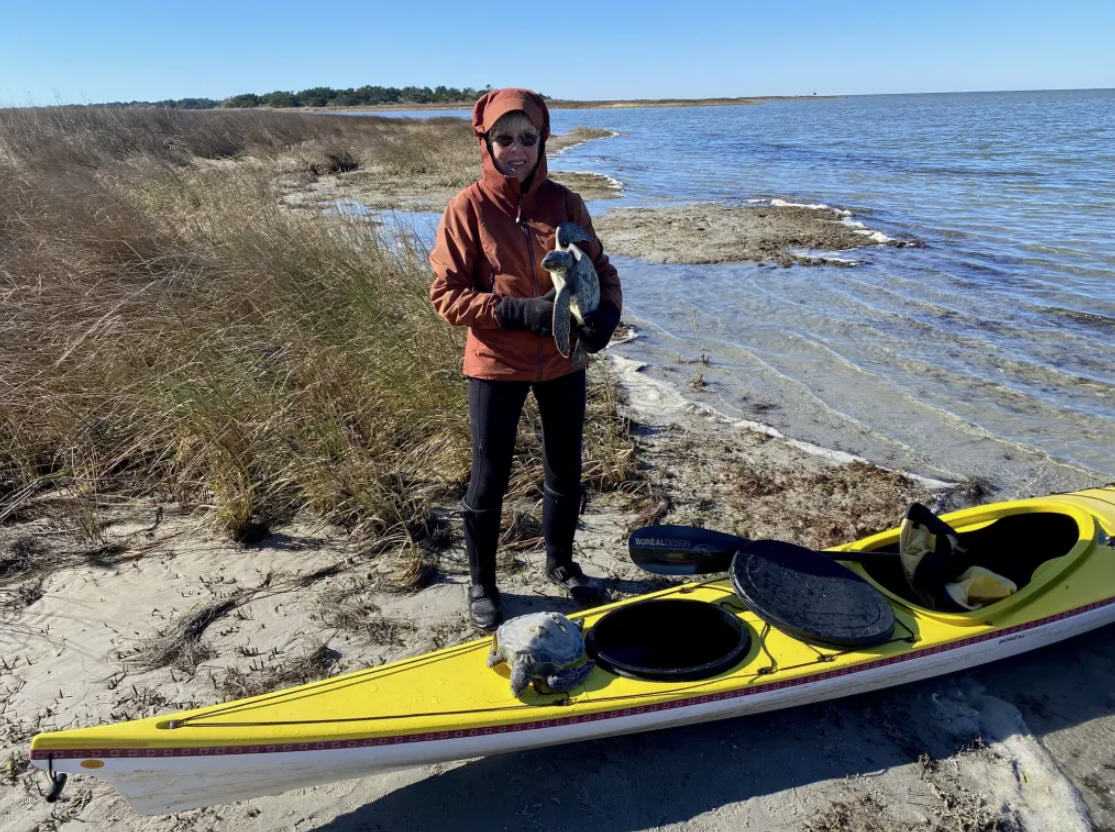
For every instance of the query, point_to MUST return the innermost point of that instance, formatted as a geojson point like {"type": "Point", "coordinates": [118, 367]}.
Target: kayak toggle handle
{"type": "Point", "coordinates": [57, 781]}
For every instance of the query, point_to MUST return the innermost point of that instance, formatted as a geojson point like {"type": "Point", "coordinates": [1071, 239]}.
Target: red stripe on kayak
{"type": "Point", "coordinates": [490, 730]}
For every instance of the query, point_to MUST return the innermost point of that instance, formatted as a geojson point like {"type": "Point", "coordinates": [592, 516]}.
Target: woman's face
{"type": "Point", "coordinates": [515, 148]}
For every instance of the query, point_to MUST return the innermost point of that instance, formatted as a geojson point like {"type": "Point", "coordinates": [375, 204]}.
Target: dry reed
{"type": "Point", "coordinates": [166, 323]}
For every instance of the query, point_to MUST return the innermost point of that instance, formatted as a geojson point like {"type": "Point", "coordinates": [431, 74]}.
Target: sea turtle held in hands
{"type": "Point", "coordinates": [541, 645]}
{"type": "Point", "coordinates": [578, 288]}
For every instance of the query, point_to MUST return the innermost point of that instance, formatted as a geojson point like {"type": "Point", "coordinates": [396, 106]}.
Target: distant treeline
{"type": "Point", "coordinates": [321, 97]}
{"type": "Point", "coordinates": [178, 104]}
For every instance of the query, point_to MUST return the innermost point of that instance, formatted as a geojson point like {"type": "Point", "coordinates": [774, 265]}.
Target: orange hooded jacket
{"type": "Point", "coordinates": [490, 244]}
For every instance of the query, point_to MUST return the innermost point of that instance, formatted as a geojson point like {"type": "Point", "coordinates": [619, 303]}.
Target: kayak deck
{"type": "Point", "coordinates": [452, 689]}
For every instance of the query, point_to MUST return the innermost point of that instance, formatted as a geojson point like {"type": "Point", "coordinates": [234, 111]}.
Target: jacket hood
{"type": "Point", "coordinates": [485, 113]}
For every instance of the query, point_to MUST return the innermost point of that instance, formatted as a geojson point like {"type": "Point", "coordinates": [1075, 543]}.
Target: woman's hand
{"type": "Point", "coordinates": [532, 314]}
{"type": "Point", "coordinates": [600, 323]}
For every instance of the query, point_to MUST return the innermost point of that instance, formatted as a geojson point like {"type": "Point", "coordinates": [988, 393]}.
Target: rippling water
{"type": "Point", "coordinates": [989, 353]}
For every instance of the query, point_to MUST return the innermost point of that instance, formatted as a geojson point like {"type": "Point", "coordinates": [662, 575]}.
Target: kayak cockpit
{"type": "Point", "coordinates": [1016, 546]}
{"type": "Point", "coordinates": [668, 640]}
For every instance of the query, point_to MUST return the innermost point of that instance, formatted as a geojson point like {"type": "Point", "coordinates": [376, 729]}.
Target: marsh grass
{"type": "Point", "coordinates": [167, 324]}
{"type": "Point", "coordinates": [278, 671]}
{"type": "Point", "coordinates": [180, 646]}
{"type": "Point", "coordinates": [94, 137]}
{"type": "Point", "coordinates": [349, 608]}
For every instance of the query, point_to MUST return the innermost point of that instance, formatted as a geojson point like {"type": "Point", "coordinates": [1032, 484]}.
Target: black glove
{"type": "Point", "coordinates": [600, 323]}
{"type": "Point", "coordinates": [532, 314]}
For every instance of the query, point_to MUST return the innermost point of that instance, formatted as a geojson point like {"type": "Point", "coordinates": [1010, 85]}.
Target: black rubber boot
{"type": "Point", "coordinates": [483, 607]}
{"type": "Point", "coordinates": [586, 591]}
{"type": "Point", "coordinates": [559, 524]}
{"type": "Point", "coordinates": [481, 528]}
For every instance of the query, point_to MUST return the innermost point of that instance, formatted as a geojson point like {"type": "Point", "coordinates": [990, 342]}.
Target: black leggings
{"type": "Point", "coordinates": [494, 409]}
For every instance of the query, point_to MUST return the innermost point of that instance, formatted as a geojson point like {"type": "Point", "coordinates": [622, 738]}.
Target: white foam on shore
{"type": "Point", "coordinates": [817, 206]}
{"type": "Point", "coordinates": [860, 228]}
{"type": "Point", "coordinates": [658, 401]}
{"type": "Point", "coordinates": [824, 256]}
{"type": "Point", "coordinates": [611, 135]}
{"type": "Point", "coordinates": [613, 183]}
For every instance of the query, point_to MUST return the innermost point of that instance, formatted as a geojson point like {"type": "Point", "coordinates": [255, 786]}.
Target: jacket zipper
{"type": "Point", "coordinates": [521, 221]}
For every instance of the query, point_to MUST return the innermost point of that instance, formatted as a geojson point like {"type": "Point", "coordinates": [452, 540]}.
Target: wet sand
{"type": "Point", "coordinates": [779, 234]}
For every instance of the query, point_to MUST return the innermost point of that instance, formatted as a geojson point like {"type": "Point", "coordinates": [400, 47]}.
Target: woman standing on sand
{"type": "Point", "coordinates": [488, 277]}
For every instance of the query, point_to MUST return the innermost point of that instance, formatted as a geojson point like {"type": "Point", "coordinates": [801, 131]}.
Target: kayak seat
{"type": "Point", "coordinates": [668, 640]}
{"type": "Point", "coordinates": [1013, 546]}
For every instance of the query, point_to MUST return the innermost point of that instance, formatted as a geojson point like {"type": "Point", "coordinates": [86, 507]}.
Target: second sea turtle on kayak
{"type": "Point", "coordinates": [542, 645]}
{"type": "Point", "coordinates": [578, 287]}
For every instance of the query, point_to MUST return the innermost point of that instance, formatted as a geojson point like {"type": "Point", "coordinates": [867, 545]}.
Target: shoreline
{"type": "Point", "coordinates": [772, 231]}
{"type": "Point", "coordinates": [837, 765]}
{"type": "Point", "coordinates": [629, 372]}
{"type": "Point", "coordinates": [570, 104]}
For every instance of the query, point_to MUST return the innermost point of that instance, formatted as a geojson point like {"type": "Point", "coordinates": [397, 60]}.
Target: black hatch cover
{"type": "Point", "coordinates": [809, 595]}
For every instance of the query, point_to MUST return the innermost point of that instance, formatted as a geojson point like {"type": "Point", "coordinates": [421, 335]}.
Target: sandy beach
{"type": "Point", "coordinates": [161, 613]}
{"type": "Point", "coordinates": [1021, 744]}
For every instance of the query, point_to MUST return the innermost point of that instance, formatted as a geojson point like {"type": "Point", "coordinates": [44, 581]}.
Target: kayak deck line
{"type": "Point", "coordinates": [634, 710]}
{"type": "Point", "coordinates": [358, 677]}
{"type": "Point", "coordinates": [730, 602]}
{"type": "Point", "coordinates": [372, 674]}
{"type": "Point", "coordinates": [564, 699]}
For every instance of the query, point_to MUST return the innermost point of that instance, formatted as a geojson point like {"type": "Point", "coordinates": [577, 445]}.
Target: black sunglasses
{"type": "Point", "coordinates": [524, 139]}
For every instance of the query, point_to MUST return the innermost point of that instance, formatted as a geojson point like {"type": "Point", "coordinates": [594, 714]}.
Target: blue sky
{"type": "Point", "coordinates": [67, 52]}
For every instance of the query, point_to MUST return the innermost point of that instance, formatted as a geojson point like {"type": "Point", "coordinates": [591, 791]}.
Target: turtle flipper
{"type": "Point", "coordinates": [565, 680]}
{"type": "Point", "coordinates": [494, 656]}
{"type": "Point", "coordinates": [586, 285]}
{"type": "Point", "coordinates": [580, 355]}
{"type": "Point", "coordinates": [521, 671]}
{"type": "Point", "coordinates": [562, 322]}
{"type": "Point", "coordinates": [569, 233]}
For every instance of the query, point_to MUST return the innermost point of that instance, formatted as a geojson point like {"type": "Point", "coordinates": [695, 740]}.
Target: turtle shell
{"type": "Point", "coordinates": [544, 636]}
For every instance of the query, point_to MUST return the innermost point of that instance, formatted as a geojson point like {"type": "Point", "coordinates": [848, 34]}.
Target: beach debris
{"type": "Point", "coordinates": [578, 288]}
{"type": "Point", "coordinates": [543, 646]}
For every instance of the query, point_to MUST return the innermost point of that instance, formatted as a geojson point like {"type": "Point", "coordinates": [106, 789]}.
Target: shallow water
{"type": "Point", "coordinates": [989, 353]}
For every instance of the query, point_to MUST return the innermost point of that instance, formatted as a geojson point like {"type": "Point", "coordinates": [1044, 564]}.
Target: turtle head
{"type": "Point", "coordinates": [557, 261]}
{"type": "Point", "coordinates": [569, 233]}
{"type": "Point", "coordinates": [521, 672]}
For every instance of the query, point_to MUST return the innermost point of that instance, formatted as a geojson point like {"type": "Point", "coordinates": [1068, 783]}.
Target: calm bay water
{"type": "Point", "coordinates": [989, 353]}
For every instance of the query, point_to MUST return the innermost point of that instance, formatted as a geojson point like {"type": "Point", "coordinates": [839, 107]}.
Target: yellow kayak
{"type": "Point", "coordinates": [449, 705]}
